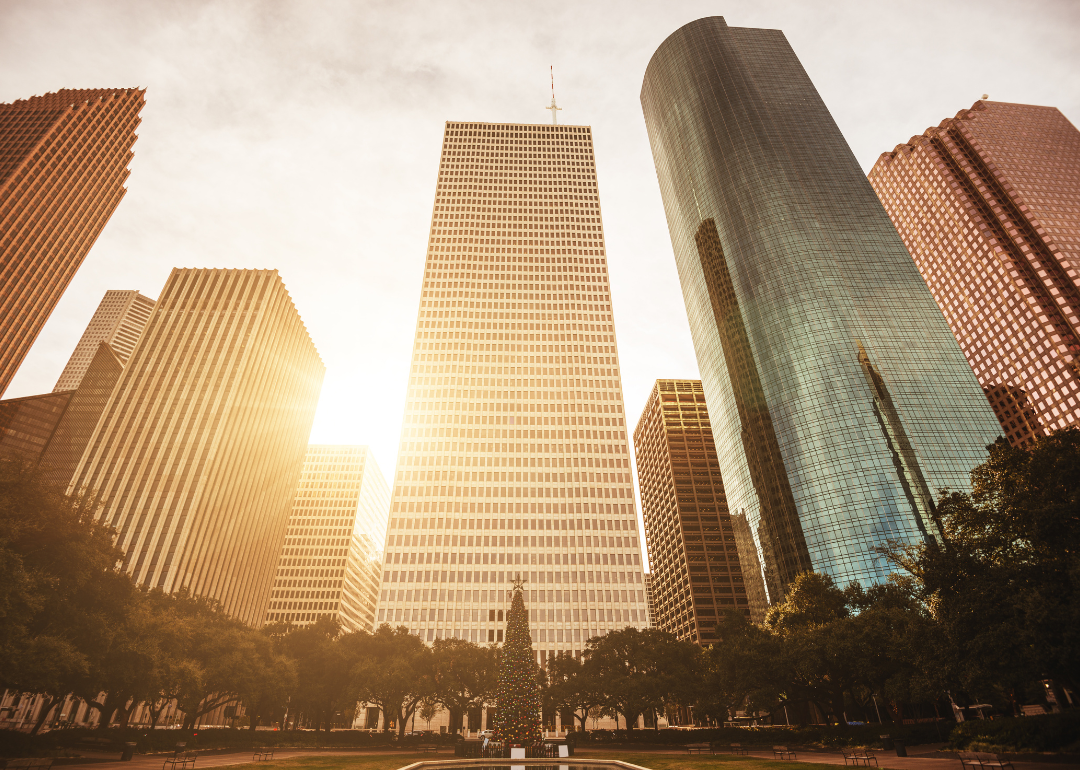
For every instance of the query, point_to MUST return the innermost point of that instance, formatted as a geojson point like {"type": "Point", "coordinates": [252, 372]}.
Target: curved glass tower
{"type": "Point", "coordinates": [840, 402]}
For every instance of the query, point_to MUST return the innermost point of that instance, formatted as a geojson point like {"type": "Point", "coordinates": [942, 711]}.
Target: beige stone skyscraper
{"type": "Point", "coordinates": [332, 560]}
{"type": "Point", "coordinates": [514, 455]}
{"type": "Point", "coordinates": [118, 321]}
{"type": "Point", "coordinates": [200, 447]}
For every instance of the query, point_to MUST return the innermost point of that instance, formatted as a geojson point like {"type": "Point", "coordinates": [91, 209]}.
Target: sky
{"type": "Point", "coordinates": [304, 136]}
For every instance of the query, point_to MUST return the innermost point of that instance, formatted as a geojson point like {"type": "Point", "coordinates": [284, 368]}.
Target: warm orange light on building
{"type": "Point", "coordinates": [988, 204]}
{"type": "Point", "coordinates": [63, 163]}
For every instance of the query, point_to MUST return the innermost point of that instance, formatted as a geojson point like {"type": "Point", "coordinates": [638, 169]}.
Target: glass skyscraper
{"type": "Point", "coordinates": [839, 400]}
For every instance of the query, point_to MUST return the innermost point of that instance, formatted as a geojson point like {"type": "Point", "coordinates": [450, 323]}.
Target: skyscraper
{"type": "Point", "coordinates": [72, 435]}
{"type": "Point", "coordinates": [513, 455]}
{"type": "Point", "coordinates": [692, 555]}
{"type": "Point", "coordinates": [118, 320]}
{"type": "Point", "coordinates": [988, 204]}
{"type": "Point", "coordinates": [331, 563]}
{"type": "Point", "coordinates": [63, 163]}
{"type": "Point", "coordinates": [839, 401]}
{"type": "Point", "coordinates": [203, 439]}
{"type": "Point", "coordinates": [27, 424]}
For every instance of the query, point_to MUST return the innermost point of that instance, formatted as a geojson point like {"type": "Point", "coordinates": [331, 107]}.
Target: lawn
{"type": "Point", "coordinates": [652, 760]}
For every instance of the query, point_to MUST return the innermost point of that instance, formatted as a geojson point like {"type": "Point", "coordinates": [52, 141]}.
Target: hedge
{"type": "Point", "coordinates": [1049, 732]}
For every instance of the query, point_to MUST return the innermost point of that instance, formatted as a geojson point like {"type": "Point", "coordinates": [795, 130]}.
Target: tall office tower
{"type": "Point", "coordinates": [650, 600]}
{"type": "Point", "coordinates": [53, 429]}
{"type": "Point", "coordinates": [72, 435]}
{"type": "Point", "coordinates": [332, 560]}
{"type": "Point", "coordinates": [63, 163]}
{"type": "Point", "coordinates": [118, 320]}
{"type": "Point", "coordinates": [514, 455]}
{"type": "Point", "coordinates": [203, 439]}
{"type": "Point", "coordinates": [988, 204]}
{"type": "Point", "coordinates": [692, 553]}
{"type": "Point", "coordinates": [840, 402]}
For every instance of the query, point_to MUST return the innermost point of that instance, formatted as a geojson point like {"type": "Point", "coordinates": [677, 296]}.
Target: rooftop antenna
{"type": "Point", "coordinates": [553, 108]}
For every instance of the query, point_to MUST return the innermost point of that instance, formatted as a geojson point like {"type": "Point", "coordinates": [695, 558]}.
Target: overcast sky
{"type": "Point", "coordinates": [304, 136]}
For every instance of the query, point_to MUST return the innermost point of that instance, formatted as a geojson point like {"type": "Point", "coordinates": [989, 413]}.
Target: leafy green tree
{"type": "Point", "coordinates": [744, 667]}
{"type": "Point", "coordinates": [1003, 586]}
{"type": "Point", "coordinates": [465, 676]}
{"type": "Point", "coordinates": [265, 690]}
{"type": "Point", "coordinates": [62, 592]}
{"type": "Point", "coordinates": [319, 657]}
{"type": "Point", "coordinates": [517, 698]}
{"type": "Point", "coordinates": [573, 686]}
{"type": "Point", "coordinates": [395, 672]}
{"type": "Point", "coordinates": [642, 670]}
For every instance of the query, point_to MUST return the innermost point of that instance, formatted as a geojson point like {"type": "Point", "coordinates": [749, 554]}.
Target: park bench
{"type": "Point", "coordinates": [782, 752]}
{"type": "Point", "coordinates": [96, 744]}
{"type": "Point", "coordinates": [698, 748]}
{"type": "Point", "coordinates": [427, 747]}
{"type": "Point", "coordinates": [859, 756]}
{"type": "Point", "coordinates": [27, 763]}
{"type": "Point", "coordinates": [737, 748]}
{"type": "Point", "coordinates": [181, 760]}
{"type": "Point", "coordinates": [978, 760]}
{"type": "Point", "coordinates": [262, 755]}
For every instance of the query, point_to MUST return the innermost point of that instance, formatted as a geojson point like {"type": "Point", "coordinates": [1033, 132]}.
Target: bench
{"type": "Point", "coordinates": [181, 760]}
{"type": "Point", "coordinates": [98, 744]}
{"type": "Point", "coordinates": [977, 760]}
{"type": "Point", "coordinates": [262, 755]}
{"type": "Point", "coordinates": [782, 752]}
{"type": "Point", "coordinates": [737, 748]}
{"type": "Point", "coordinates": [24, 763]}
{"type": "Point", "coordinates": [698, 748]}
{"type": "Point", "coordinates": [428, 747]}
{"type": "Point", "coordinates": [859, 756]}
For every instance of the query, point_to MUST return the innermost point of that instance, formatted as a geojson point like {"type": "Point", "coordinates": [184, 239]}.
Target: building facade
{"type": "Point", "coordinates": [839, 400]}
{"type": "Point", "coordinates": [27, 424]}
{"type": "Point", "coordinates": [62, 171]}
{"type": "Point", "coordinates": [332, 560]}
{"type": "Point", "coordinates": [118, 321]}
{"type": "Point", "coordinates": [514, 455]}
{"type": "Point", "coordinates": [72, 435]}
{"type": "Point", "coordinates": [988, 204]}
{"type": "Point", "coordinates": [650, 600]}
{"type": "Point", "coordinates": [693, 560]}
{"type": "Point", "coordinates": [201, 444]}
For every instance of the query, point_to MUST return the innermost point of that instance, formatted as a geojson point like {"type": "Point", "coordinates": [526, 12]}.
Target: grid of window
{"type": "Point", "coordinates": [331, 563]}
{"type": "Point", "coordinates": [118, 321]}
{"type": "Point", "coordinates": [63, 164]}
{"type": "Point", "coordinates": [859, 379]}
{"type": "Point", "coordinates": [514, 457]}
{"type": "Point", "coordinates": [988, 204]}
{"type": "Point", "coordinates": [692, 551]}
{"type": "Point", "coordinates": [196, 460]}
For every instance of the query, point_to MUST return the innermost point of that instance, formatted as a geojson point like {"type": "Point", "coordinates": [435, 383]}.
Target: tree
{"type": "Point", "coordinates": [1003, 585]}
{"type": "Point", "coordinates": [464, 676]}
{"type": "Point", "coordinates": [61, 587]}
{"type": "Point", "coordinates": [319, 657]}
{"type": "Point", "coordinates": [641, 670]}
{"type": "Point", "coordinates": [574, 686]}
{"type": "Point", "coordinates": [517, 697]}
{"type": "Point", "coordinates": [395, 673]}
{"type": "Point", "coordinates": [273, 676]}
{"type": "Point", "coordinates": [744, 667]}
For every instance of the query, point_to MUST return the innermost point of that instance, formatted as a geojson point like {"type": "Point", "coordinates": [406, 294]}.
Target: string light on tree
{"type": "Point", "coordinates": [517, 719]}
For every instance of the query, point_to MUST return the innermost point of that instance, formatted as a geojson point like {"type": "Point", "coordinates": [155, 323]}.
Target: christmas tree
{"type": "Point", "coordinates": [517, 720]}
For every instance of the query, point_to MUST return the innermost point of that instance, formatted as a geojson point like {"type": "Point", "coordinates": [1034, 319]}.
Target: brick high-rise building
{"type": "Point", "coordinates": [119, 320]}
{"type": "Point", "coordinates": [988, 204]}
{"type": "Point", "coordinates": [332, 560]}
{"type": "Point", "coordinates": [514, 456]}
{"type": "Point", "coordinates": [840, 402]}
{"type": "Point", "coordinates": [203, 439]}
{"type": "Point", "coordinates": [63, 162]}
{"type": "Point", "coordinates": [692, 555]}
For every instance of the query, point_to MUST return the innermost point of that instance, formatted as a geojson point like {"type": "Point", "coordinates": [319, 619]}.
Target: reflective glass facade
{"type": "Point", "coordinates": [838, 397]}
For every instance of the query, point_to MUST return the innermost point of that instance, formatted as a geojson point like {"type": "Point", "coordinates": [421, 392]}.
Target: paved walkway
{"type": "Point", "coordinates": [919, 758]}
